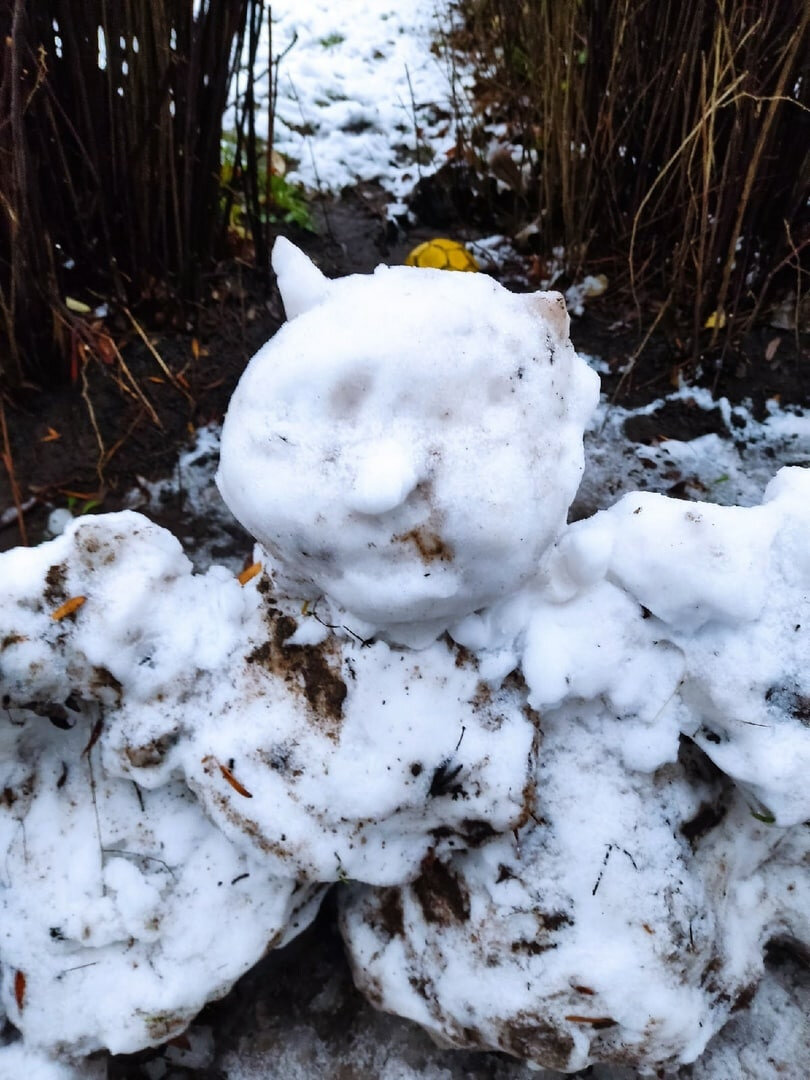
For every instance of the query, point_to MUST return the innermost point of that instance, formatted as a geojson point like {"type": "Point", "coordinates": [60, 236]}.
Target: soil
{"type": "Point", "coordinates": [97, 442]}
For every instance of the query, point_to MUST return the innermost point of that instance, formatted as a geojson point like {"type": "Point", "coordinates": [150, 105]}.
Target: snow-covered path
{"type": "Point", "coordinates": [362, 90]}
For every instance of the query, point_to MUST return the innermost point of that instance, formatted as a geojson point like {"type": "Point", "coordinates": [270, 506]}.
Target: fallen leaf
{"type": "Point", "coordinates": [68, 608]}
{"type": "Point", "coordinates": [228, 775]}
{"type": "Point", "coordinates": [77, 306]}
{"type": "Point", "coordinates": [594, 1021]}
{"type": "Point", "coordinates": [249, 573]}
{"type": "Point", "coordinates": [105, 348]}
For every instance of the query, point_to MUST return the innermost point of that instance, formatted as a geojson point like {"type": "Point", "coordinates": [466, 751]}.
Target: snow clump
{"type": "Point", "coordinates": [191, 764]}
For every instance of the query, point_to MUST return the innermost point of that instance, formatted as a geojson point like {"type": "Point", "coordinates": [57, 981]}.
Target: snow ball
{"type": "Point", "coordinates": [128, 901]}
{"type": "Point", "coordinates": [410, 442]}
{"type": "Point", "coordinates": [686, 562]}
{"type": "Point", "coordinates": [590, 935]}
{"type": "Point", "coordinates": [58, 521]}
{"type": "Point", "coordinates": [146, 911]}
{"type": "Point", "coordinates": [693, 618]}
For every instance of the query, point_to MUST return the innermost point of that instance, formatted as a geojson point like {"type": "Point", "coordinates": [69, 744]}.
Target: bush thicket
{"type": "Point", "coordinates": [110, 142]}
{"type": "Point", "coordinates": [670, 140]}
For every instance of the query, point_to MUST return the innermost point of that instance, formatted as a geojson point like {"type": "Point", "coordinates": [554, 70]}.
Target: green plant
{"type": "Point", "coordinates": [331, 40]}
{"type": "Point", "coordinates": [79, 507]}
{"type": "Point", "coordinates": [288, 201]}
{"type": "Point", "coordinates": [279, 200]}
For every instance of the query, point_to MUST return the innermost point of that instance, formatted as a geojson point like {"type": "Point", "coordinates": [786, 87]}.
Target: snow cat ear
{"type": "Point", "coordinates": [300, 282]}
{"type": "Point", "coordinates": [550, 306]}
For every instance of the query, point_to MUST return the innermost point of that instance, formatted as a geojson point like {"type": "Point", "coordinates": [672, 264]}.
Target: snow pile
{"type": "Point", "coordinates": [563, 766]}
{"type": "Point", "coordinates": [726, 590]}
{"type": "Point", "coordinates": [125, 897]}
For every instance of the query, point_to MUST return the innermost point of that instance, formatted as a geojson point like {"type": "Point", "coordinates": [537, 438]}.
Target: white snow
{"type": "Point", "coordinates": [361, 94]}
{"type": "Point", "coordinates": [579, 862]}
{"type": "Point", "coordinates": [655, 622]}
{"type": "Point", "coordinates": [564, 767]}
{"type": "Point", "coordinates": [436, 420]}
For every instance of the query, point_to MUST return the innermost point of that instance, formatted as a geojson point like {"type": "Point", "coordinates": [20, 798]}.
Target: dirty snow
{"type": "Point", "coordinates": [667, 654]}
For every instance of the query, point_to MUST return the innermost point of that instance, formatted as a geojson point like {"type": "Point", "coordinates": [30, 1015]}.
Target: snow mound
{"type": "Point", "coordinates": [585, 939]}
{"type": "Point", "coordinates": [409, 443]}
{"type": "Point", "coordinates": [125, 898]}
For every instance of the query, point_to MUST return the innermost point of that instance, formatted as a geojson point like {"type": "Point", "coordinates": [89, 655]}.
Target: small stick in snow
{"type": "Point", "coordinates": [79, 967]}
{"type": "Point", "coordinates": [8, 461]}
{"type": "Point", "coordinates": [228, 775]}
{"type": "Point", "coordinates": [601, 872]}
{"type": "Point", "coordinates": [19, 989]}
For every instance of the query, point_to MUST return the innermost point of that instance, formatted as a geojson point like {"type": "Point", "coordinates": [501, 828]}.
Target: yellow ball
{"type": "Point", "coordinates": [442, 254]}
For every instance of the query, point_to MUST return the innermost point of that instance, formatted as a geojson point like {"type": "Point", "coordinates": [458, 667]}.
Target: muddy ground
{"type": "Point", "coordinates": [298, 1008]}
